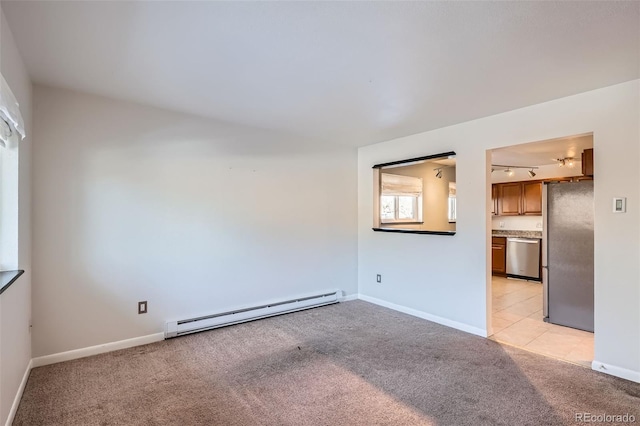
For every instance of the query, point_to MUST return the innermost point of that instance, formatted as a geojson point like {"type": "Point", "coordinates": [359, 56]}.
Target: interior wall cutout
{"type": "Point", "coordinates": [417, 195]}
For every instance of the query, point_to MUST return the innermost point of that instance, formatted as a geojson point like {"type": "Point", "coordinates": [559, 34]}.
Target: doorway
{"type": "Point", "coordinates": [518, 288]}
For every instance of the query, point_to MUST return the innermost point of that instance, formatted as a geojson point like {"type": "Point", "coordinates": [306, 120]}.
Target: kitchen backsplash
{"type": "Point", "coordinates": [517, 223]}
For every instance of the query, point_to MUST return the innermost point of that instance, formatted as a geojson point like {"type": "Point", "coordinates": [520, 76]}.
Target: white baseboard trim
{"type": "Point", "coordinates": [16, 400]}
{"type": "Point", "coordinates": [613, 370]}
{"type": "Point", "coordinates": [349, 297]}
{"type": "Point", "coordinates": [95, 350]}
{"type": "Point", "coordinates": [429, 317]}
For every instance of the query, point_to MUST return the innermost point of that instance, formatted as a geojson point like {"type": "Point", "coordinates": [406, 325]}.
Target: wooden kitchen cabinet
{"type": "Point", "coordinates": [498, 255]}
{"type": "Point", "coordinates": [587, 162]}
{"type": "Point", "coordinates": [531, 198]}
{"type": "Point", "coordinates": [494, 199]}
{"type": "Point", "coordinates": [520, 198]}
{"type": "Point", "coordinates": [509, 199]}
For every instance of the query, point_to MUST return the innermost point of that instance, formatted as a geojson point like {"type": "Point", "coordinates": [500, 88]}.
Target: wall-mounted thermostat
{"type": "Point", "coordinates": [620, 204]}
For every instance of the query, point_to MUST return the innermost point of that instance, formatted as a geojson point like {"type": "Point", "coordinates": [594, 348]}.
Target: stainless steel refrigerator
{"type": "Point", "coordinates": [568, 278]}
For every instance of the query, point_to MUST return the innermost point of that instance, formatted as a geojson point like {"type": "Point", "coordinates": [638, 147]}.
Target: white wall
{"type": "Point", "coordinates": [15, 303]}
{"type": "Point", "coordinates": [447, 276]}
{"type": "Point", "coordinates": [134, 203]}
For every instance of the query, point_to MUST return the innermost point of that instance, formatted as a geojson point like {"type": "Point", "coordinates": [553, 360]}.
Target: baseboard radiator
{"type": "Point", "coordinates": [202, 323]}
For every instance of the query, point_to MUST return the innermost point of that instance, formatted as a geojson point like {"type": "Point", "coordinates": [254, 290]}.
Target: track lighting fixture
{"type": "Point", "coordinates": [566, 161]}
{"type": "Point", "coordinates": [509, 170]}
{"type": "Point", "coordinates": [439, 170]}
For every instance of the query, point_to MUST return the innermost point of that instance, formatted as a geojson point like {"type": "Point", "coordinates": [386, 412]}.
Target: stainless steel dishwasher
{"type": "Point", "coordinates": [523, 258]}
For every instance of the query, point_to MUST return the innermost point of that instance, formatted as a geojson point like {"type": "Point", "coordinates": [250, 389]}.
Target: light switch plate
{"type": "Point", "coordinates": [619, 204]}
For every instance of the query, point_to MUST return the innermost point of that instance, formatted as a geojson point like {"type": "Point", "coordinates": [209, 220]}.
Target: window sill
{"type": "Point", "coordinates": [401, 222]}
{"type": "Point", "coordinates": [414, 231]}
{"type": "Point", "coordinates": [7, 278]}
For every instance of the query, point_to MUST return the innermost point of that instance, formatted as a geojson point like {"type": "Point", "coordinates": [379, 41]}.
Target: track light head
{"type": "Point", "coordinates": [531, 173]}
{"type": "Point", "coordinates": [439, 174]}
{"type": "Point", "coordinates": [509, 172]}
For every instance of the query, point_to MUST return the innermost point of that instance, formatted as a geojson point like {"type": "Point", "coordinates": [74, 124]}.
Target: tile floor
{"type": "Point", "coordinates": [517, 320]}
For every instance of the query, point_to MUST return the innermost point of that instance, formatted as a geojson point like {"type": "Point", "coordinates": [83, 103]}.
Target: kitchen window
{"type": "Point", "coordinates": [400, 199]}
{"type": "Point", "coordinates": [452, 210]}
{"type": "Point", "coordinates": [11, 132]}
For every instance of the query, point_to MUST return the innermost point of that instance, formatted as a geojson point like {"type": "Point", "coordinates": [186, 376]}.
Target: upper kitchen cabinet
{"type": "Point", "coordinates": [520, 198]}
{"type": "Point", "coordinates": [494, 199]}
{"type": "Point", "coordinates": [510, 199]}
{"type": "Point", "coordinates": [532, 198]}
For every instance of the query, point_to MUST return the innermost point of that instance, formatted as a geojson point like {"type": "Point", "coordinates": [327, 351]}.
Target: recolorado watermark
{"type": "Point", "coordinates": [605, 418]}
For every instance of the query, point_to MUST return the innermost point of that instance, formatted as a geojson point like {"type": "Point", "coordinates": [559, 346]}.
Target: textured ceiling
{"type": "Point", "coordinates": [351, 73]}
{"type": "Point", "coordinates": [542, 153]}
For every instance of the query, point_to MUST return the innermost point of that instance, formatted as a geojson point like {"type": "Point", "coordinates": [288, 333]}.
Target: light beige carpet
{"type": "Point", "coordinates": [348, 364]}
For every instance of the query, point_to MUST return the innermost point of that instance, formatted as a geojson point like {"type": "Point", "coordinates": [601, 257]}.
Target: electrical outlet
{"type": "Point", "coordinates": [501, 224]}
{"type": "Point", "coordinates": [142, 307]}
{"type": "Point", "coordinates": [539, 225]}
{"type": "Point", "coordinates": [379, 278]}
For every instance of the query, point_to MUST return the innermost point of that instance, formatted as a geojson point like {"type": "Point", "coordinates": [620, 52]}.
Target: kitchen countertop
{"type": "Point", "coordinates": [516, 234]}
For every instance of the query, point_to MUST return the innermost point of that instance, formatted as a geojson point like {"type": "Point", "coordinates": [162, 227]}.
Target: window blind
{"type": "Point", "coordinates": [400, 185]}
{"type": "Point", "coordinates": [9, 114]}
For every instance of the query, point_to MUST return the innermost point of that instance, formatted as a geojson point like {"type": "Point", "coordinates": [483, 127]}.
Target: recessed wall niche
{"type": "Point", "coordinates": [416, 195]}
